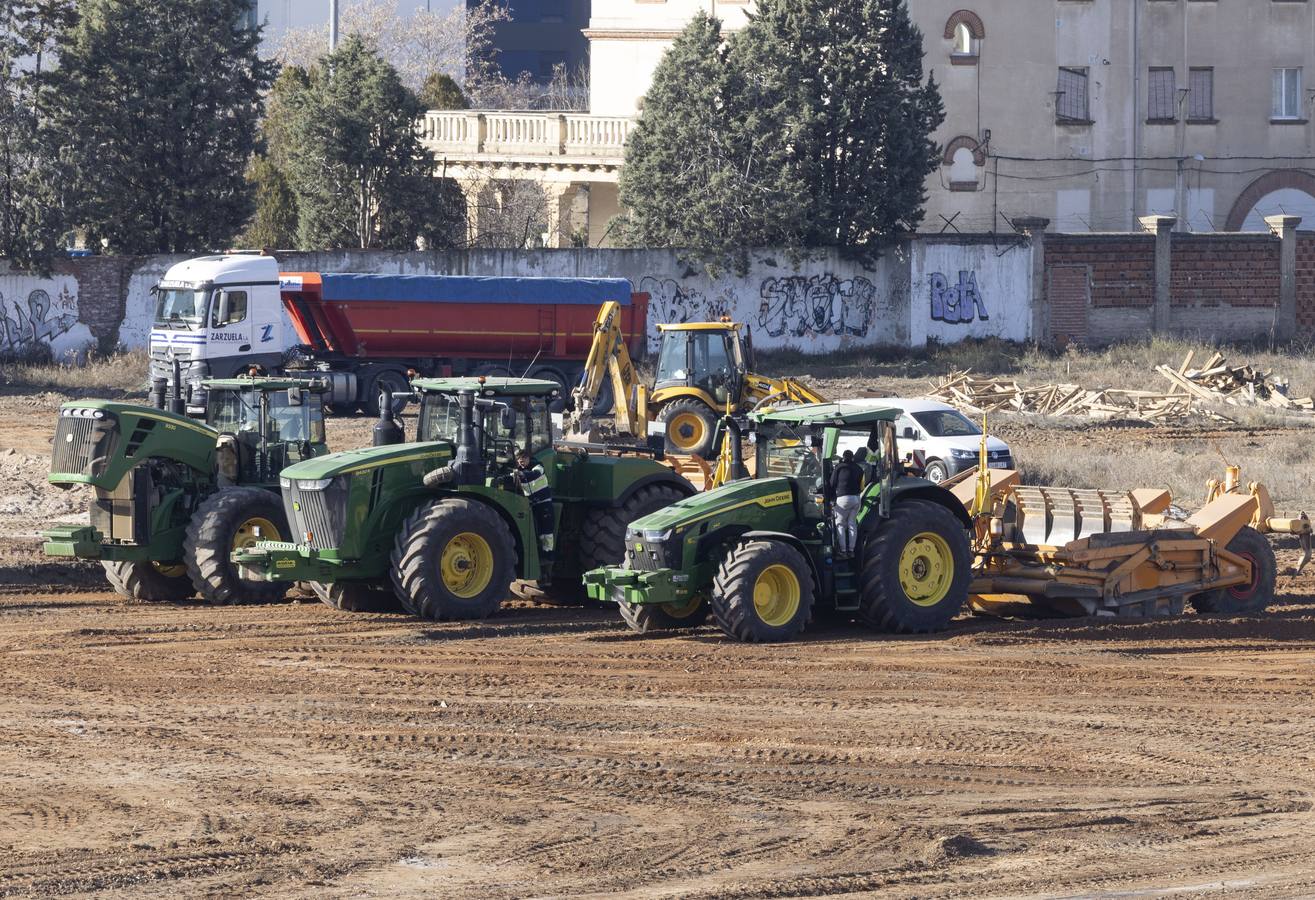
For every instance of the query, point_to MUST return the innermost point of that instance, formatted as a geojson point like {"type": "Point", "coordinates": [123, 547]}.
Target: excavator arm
{"type": "Point", "coordinates": [609, 358]}
{"type": "Point", "coordinates": [761, 392]}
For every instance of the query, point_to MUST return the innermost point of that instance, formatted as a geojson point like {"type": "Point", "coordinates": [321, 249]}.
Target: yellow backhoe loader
{"type": "Point", "coordinates": [703, 369]}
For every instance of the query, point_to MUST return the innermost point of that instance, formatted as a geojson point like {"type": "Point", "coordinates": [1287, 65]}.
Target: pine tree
{"type": "Point", "coordinates": [159, 103]}
{"type": "Point", "coordinates": [704, 169]}
{"type": "Point", "coordinates": [361, 176]}
{"type": "Point", "coordinates": [441, 91]}
{"type": "Point", "coordinates": [274, 224]}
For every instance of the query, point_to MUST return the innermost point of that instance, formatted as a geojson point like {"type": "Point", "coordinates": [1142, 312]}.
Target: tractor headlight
{"type": "Point", "coordinates": [313, 484]}
{"type": "Point", "coordinates": [657, 537]}
{"type": "Point", "coordinates": [284, 483]}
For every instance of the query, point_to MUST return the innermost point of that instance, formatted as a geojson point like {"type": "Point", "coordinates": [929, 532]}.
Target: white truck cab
{"type": "Point", "coordinates": [215, 316]}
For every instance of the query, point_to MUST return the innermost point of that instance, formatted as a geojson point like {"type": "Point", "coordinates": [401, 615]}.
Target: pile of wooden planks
{"type": "Point", "coordinates": [1218, 382]}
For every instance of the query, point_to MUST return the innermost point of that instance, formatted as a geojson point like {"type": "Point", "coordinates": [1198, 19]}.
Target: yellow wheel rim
{"type": "Point", "coordinates": [683, 610]}
{"type": "Point", "coordinates": [256, 528]}
{"type": "Point", "coordinates": [686, 430]}
{"type": "Point", "coordinates": [466, 565]}
{"type": "Point", "coordinates": [776, 594]}
{"type": "Point", "coordinates": [170, 570]}
{"type": "Point", "coordinates": [926, 568]}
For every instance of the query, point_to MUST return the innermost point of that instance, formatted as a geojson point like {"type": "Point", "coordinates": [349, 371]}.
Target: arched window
{"type": "Point", "coordinates": [963, 38]}
{"type": "Point", "coordinates": [962, 163]}
{"type": "Point", "coordinates": [966, 30]}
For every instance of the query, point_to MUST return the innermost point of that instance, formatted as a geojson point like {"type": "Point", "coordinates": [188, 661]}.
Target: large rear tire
{"type": "Point", "coordinates": [453, 559]}
{"type": "Point", "coordinates": [1244, 598]}
{"type": "Point", "coordinates": [603, 541]}
{"type": "Point", "coordinates": [648, 617]}
{"type": "Point", "coordinates": [763, 592]}
{"type": "Point", "coordinates": [227, 521]}
{"type": "Point", "coordinates": [915, 569]}
{"type": "Point", "coordinates": [352, 596]}
{"type": "Point", "coordinates": [148, 581]}
{"type": "Point", "coordinates": [690, 426]}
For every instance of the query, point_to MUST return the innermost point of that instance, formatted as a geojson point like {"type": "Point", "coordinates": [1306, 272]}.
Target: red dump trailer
{"type": "Point", "coordinates": [365, 331]}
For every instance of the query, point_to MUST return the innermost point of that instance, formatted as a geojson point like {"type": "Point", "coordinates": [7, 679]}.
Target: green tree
{"type": "Point", "coordinates": [159, 104]}
{"type": "Point", "coordinates": [274, 224]}
{"type": "Point", "coordinates": [361, 176]}
{"type": "Point", "coordinates": [441, 91]}
{"type": "Point", "coordinates": [704, 170]}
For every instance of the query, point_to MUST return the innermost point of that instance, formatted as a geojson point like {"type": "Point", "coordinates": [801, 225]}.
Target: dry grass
{"type": "Point", "coordinates": [118, 375]}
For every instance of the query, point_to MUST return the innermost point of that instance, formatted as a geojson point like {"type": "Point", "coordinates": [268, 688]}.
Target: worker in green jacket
{"type": "Point", "coordinates": [533, 482]}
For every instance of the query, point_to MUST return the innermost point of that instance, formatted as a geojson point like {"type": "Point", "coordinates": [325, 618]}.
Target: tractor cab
{"type": "Point", "coordinates": [508, 415]}
{"type": "Point", "coordinates": [707, 357]}
{"type": "Point", "coordinates": [264, 425]}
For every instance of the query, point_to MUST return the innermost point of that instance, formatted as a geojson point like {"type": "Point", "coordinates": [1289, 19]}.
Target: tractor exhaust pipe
{"type": "Point", "coordinates": [386, 430]}
{"type": "Point", "coordinates": [468, 464]}
{"type": "Point", "coordinates": [736, 438]}
{"type": "Point", "coordinates": [178, 406]}
{"type": "Point", "coordinates": [159, 391]}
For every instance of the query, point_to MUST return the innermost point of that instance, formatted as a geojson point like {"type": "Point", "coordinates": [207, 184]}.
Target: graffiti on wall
{"type": "Point", "coordinates": [25, 324]}
{"type": "Point", "coordinates": [956, 303]}
{"type": "Point", "coordinates": [671, 302]}
{"type": "Point", "coordinates": [818, 304]}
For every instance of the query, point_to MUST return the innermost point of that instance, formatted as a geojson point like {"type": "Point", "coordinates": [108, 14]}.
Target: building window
{"type": "Point", "coordinates": [1071, 95]}
{"type": "Point", "coordinates": [1201, 95]}
{"type": "Point", "coordinates": [1160, 99]}
{"type": "Point", "coordinates": [963, 39]}
{"type": "Point", "coordinates": [966, 30]}
{"type": "Point", "coordinates": [1287, 94]}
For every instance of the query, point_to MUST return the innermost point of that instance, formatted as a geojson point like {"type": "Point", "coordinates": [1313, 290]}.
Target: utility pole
{"type": "Point", "coordinates": [333, 25]}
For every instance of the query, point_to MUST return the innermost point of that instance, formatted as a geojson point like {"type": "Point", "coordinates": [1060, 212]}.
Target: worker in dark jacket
{"type": "Point", "coordinates": [533, 482]}
{"type": "Point", "coordinates": [846, 485]}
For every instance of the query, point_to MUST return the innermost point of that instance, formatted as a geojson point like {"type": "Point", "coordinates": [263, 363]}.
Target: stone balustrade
{"type": "Point", "coordinates": [495, 133]}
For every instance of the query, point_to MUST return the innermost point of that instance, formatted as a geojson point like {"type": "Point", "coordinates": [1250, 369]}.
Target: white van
{"type": "Point", "coordinates": [948, 440]}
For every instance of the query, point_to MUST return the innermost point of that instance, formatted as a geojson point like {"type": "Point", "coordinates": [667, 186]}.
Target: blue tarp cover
{"type": "Point", "coordinates": [471, 289]}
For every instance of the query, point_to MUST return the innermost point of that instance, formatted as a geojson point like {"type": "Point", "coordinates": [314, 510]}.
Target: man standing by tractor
{"type": "Point", "coordinates": [533, 482]}
{"type": "Point", "coordinates": [846, 485]}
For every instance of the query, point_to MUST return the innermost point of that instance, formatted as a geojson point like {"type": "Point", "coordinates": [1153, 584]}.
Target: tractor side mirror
{"type": "Point", "coordinates": [507, 416]}
{"type": "Point", "coordinates": [295, 397]}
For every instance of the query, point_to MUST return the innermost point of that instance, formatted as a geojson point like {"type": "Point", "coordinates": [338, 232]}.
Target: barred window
{"type": "Point", "coordinates": [1201, 95]}
{"type": "Point", "coordinates": [1159, 103]}
{"type": "Point", "coordinates": [1071, 95]}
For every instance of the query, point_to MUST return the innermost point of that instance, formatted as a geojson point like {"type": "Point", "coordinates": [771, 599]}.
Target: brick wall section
{"type": "Point", "coordinates": [102, 293]}
{"type": "Point", "coordinates": [1306, 283]}
{"type": "Point", "coordinates": [1224, 270]}
{"type": "Point", "coordinates": [1121, 267]}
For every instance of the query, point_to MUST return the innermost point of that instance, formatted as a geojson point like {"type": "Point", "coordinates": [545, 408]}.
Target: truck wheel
{"type": "Point", "coordinates": [374, 391]}
{"type": "Point", "coordinates": [690, 426]}
{"type": "Point", "coordinates": [353, 596]}
{"type": "Point", "coordinates": [453, 559]}
{"type": "Point", "coordinates": [645, 617]}
{"type": "Point", "coordinates": [1244, 598]}
{"type": "Point", "coordinates": [603, 540]}
{"type": "Point", "coordinates": [763, 592]}
{"type": "Point", "coordinates": [915, 570]}
{"type": "Point", "coordinates": [227, 521]}
{"type": "Point", "coordinates": [154, 582]}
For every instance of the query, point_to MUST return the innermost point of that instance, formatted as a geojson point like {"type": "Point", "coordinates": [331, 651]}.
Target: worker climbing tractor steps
{"type": "Point", "coordinates": [533, 482]}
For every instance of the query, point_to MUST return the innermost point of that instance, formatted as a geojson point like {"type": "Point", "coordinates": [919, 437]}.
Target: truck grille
{"type": "Point", "coordinates": [321, 514]}
{"type": "Point", "coordinates": [82, 443]}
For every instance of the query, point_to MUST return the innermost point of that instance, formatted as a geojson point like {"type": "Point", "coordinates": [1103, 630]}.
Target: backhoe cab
{"type": "Point", "coordinates": [758, 554]}
{"type": "Point", "coordinates": [173, 496]}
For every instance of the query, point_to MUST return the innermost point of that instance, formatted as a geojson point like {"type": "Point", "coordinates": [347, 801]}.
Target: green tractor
{"type": "Point", "coordinates": [175, 496]}
{"type": "Point", "coordinates": [442, 525]}
{"type": "Point", "coordinates": [760, 555]}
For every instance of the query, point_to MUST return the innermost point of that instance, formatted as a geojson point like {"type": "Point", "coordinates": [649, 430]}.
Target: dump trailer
{"type": "Point", "coordinates": [761, 554]}
{"type": "Point", "coordinates": [173, 496]}
{"type": "Point", "coordinates": [218, 315]}
{"type": "Point", "coordinates": [443, 524]}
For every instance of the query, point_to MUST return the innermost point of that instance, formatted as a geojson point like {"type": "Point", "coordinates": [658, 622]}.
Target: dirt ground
{"type": "Point", "coordinates": [293, 750]}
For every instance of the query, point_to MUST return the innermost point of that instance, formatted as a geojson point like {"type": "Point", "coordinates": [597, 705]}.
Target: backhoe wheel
{"type": "Point", "coordinates": [154, 582]}
{"type": "Point", "coordinates": [354, 596]}
{"type": "Point", "coordinates": [763, 591]}
{"type": "Point", "coordinates": [453, 559]}
{"type": "Point", "coordinates": [690, 426]}
{"type": "Point", "coordinates": [602, 541]}
{"type": "Point", "coordinates": [915, 569]}
{"type": "Point", "coordinates": [225, 522]}
{"type": "Point", "coordinates": [645, 617]}
{"type": "Point", "coordinates": [1244, 598]}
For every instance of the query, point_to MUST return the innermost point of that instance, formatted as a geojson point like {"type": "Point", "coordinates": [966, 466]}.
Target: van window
{"type": "Point", "coordinates": [947, 423]}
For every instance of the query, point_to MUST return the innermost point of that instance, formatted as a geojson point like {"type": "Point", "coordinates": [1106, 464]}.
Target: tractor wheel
{"type": "Point", "coordinates": [763, 591]}
{"type": "Point", "coordinates": [690, 425]}
{"type": "Point", "coordinates": [154, 582]}
{"type": "Point", "coordinates": [227, 521]}
{"type": "Point", "coordinates": [1244, 598]}
{"type": "Point", "coordinates": [453, 559]}
{"type": "Point", "coordinates": [353, 596]}
{"type": "Point", "coordinates": [602, 541]}
{"type": "Point", "coordinates": [915, 569]}
{"type": "Point", "coordinates": [645, 617]}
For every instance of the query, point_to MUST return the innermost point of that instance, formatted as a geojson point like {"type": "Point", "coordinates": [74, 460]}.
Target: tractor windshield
{"type": "Point", "coordinates": [786, 451]}
{"type": "Point", "coordinates": [239, 412]}
{"type": "Point", "coordinates": [504, 423]}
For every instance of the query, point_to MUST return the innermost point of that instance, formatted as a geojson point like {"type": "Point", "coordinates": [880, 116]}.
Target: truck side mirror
{"type": "Point", "coordinates": [295, 396]}
{"type": "Point", "coordinates": [221, 309]}
{"type": "Point", "coordinates": [909, 434]}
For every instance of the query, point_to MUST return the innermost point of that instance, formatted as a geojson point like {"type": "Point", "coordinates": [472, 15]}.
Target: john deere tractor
{"type": "Point", "coordinates": [443, 524]}
{"type": "Point", "coordinates": [173, 496]}
{"type": "Point", "coordinates": [760, 555]}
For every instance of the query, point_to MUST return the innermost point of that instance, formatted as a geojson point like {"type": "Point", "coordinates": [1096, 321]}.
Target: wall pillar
{"type": "Point", "coordinates": [1162, 228]}
{"type": "Point", "coordinates": [1035, 228]}
{"type": "Point", "coordinates": [1285, 229]}
{"type": "Point", "coordinates": [568, 212]}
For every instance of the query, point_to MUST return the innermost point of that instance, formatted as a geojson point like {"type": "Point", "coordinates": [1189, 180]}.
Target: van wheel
{"type": "Point", "coordinates": [936, 472]}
